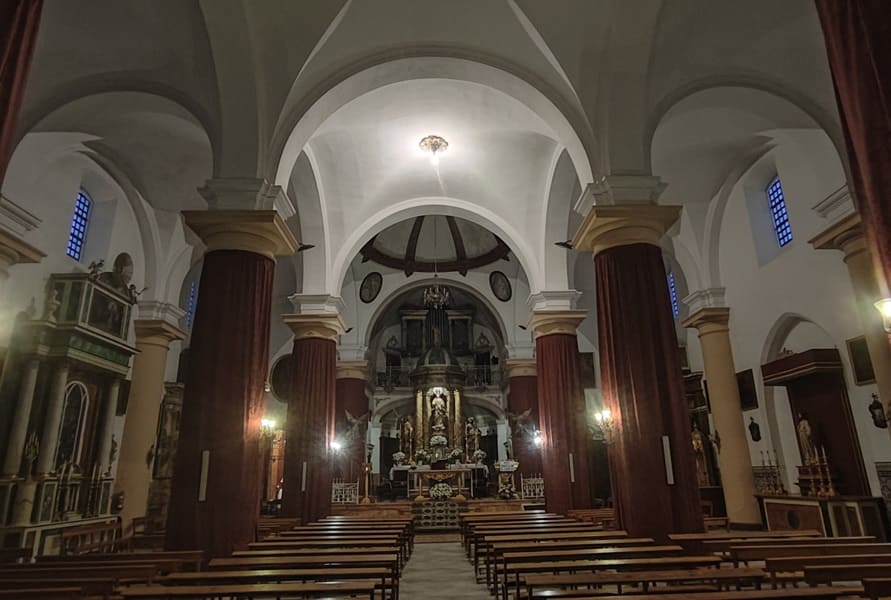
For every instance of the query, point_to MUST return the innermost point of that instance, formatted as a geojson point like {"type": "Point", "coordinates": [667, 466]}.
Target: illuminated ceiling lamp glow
{"type": "Point", "coordinates": [435, 145]}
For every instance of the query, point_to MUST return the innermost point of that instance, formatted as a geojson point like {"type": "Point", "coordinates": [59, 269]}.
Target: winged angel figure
{"type": "Point", "coordinates": [521, 423]}
{"type": "Point", "coordinates": [356, 426]}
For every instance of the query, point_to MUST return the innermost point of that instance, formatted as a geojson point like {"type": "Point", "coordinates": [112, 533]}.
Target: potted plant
{"type": "Point", "coordinates": [399, 458]}
{"type": "Point", "coordinates": [422, 457]}
{"type": "Point", "coordinates": [456, 455]}
{"type": "Point", "coordinates": [440, 491]}
{"type": "Point", "coordinates": [479, 456]}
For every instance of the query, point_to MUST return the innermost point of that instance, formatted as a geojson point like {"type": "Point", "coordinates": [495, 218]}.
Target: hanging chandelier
{"type": "Point", "coordinates": [435, 145]}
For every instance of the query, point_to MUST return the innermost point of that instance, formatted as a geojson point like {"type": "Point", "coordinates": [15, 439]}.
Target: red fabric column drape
{"type": "Point", "coordinates": [19, 21]}
{"type": "Point", "coordinates": [643, 387]}
{"type": "Point", "coordinates": [222, 407]}
{"type": "Point", "coordinates": [350, 397]}
{"type": "Point", "coordinates": [522, 396]}
{"type": "Point", "coordinates": [310, 429]}
{"type": "Point", "coordinates": [858, 44]}
{"type": "Point", "coordinates": [561, 409]}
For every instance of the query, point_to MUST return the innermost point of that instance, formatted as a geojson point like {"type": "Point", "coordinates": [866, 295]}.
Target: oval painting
{"type": "Point", "coordinates": [500, 285]}
{"type": "Point", "coordinates": [371, 287]}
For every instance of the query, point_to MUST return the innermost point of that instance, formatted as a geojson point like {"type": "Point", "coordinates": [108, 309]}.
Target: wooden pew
{"type": "Point", "coordinates": [305, 562]}
{"type": "Point", "coordinates": [692, 542]}
{"type": "Point", "coordinates": [745, 554]}
{"type": "Point", "coordinates": [598, 516]}
{"type": "Point", "coordinates": [14, 555]}
{"type": "Point", "coordinates": [474, 535]}
{"type": "Point", "coordinates": [388, 579]}
{"type": "Point", "coordinates": [184, 559]}
{"type": "Point", "coordinates": [814, 593]}
{"type": "Point", "coordinates": [877, 587]}
{"type": "Point", "coordinates": [493, 549]}
{"type": "Point", "coordinates": [467, 524]}
{"type": "Point", "coordinates": [645, 579]}
{"type": "Point", "coordinates": [829, 574]}
{"type": "Point", "coordinates": [365, 587]}
{"type": "Point", "coordinates": [94, 587]}
{"type": "Point", "coordinates": [352, 546]}
{"type": "Point", "coordinates": [112, 572]}
{"type": "Point", "coordinates": [43, 593]}
{"type": "Point", "coordinates": [725, 545]}
{"type": "Point", "coordinates": [791, 568]}
{"type": "Point", "coordinates": [715, 523]}
{"type": "Point", "coordinates": [617, 564]}
{"type": "Point", "coordinates": [514, 562]}
{"type": "Point", "coordinates": [397, 536]}
{"type": "Point", "coordinates": [479, 539]}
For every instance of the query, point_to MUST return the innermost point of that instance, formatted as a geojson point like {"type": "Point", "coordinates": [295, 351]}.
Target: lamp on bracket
{"type": "Point", "coordinates": [884, 308]}
{"type": "Point", "coordinates": [606, 426]}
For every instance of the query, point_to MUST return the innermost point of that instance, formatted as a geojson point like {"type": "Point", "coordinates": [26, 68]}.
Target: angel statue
{"type": "Point", "coordinates": [356, 428]}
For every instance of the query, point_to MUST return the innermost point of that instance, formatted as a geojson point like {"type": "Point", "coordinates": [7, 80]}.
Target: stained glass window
{"type": "Point", "coordinates": [77, 234]}
{"type": "Point", "coordinates": [777, 202]}
{"type": "Point", "coordinates": [673, 295]}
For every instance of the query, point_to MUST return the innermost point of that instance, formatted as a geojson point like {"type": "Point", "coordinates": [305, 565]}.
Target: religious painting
{"type": "Point", "coordinates": [860, 361]}
{"type": "Point", "coordinates": [370, 287]}
{"type": "Point", "coordinates": [748, 397]}
{"type": "Point", "coordinates": [71, 428]}
{"type": "Point", "coordinates": [500, 285]}
{"type": "Point", "coordinates": [107, 313]}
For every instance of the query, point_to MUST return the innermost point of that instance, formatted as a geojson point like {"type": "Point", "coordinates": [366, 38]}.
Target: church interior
{"type": "Point", "coordinates": [480, 299]}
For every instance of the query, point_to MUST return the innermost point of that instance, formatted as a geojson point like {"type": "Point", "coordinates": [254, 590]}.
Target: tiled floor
{"type": "Point", "coordinates": [440, 570]}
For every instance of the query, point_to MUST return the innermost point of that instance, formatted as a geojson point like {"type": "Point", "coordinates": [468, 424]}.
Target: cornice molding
{"type": "Point", "coordinates": [520, 367]}
{"type": "Point", "coordinates": [259, 231]}
{"type": "Point", "coordinates": [352, 369]}
{"type": "Point", "coordinates": [321, 326]}
{"type": "Point", "coordinates": [553, 322]}
{"type": "Point", "coordinates": [845, 235]}
{"type": "Point", "coordinates": [607, 227]}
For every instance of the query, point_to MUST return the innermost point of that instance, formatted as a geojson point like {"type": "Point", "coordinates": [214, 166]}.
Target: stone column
{"type": "Point", "coordinates": [522, 398]}
{"type": "Point", "coordinates": [106, 425]}
{"type": "Point", "coordinates": [458, 424]}
{"type": "Point", "coordinates": [53, 418]}
{"type": "Point", "coordinates": [847, 236]}
{"type": "Point", "coordinates": [350, 398]}
{"type": "Point", "coordinates": [216, 488]}
{"type": "Point", "coordinates": [653, 472]}
{"type": "Point", "coordinates": [155, 329]}
{"type": "Point", "coordinates": [561, 409]}
{"type": "Point", "coordinates": [737, 478]}
{"type": "Point", "coordinates": [311, 410]}
{"type": "Point", "coordinates": [18, 432]}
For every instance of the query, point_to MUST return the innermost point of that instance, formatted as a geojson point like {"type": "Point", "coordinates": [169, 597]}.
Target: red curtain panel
{"type": "Point", "coordinates": [643, 388]}
{"type": "Point", "coordinates": [858, 44]}
{"type": "Point", "coordinates": [350, 397]}
{"type": "Point", "coordinates": [523, 396]}
{"type": "Point", "coordinates": [19, 21]}
{"type": "Point", "coordinates": [561, 409]}
{"type": "Point", "coordinates": [311, 419]}
{"type": "Point", "coordinates": [222, 407]}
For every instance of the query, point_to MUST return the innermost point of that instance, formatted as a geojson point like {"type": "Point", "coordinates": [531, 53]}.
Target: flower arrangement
{"type": "Point", "coordinates": [479, 456]}
{"type": "Point", "coordinates": [438, 440]}
{"type": "Point", "coordinates": [456, 455]}
{"type": "Point", "coordinates": [440, 491]}
{"type": "Point", "coordinates": [399, 457]}
{"type": "Point", "coordinates": [422, 457]}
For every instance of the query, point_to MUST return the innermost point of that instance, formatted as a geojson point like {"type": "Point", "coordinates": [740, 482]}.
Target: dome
{"type": "Point", "coordinates": [451, 243]}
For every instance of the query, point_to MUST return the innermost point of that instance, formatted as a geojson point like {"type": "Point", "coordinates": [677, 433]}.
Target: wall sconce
{"type": "Point", "coordinates": [607, 425]}
{"type": "Point", "coordinates": [537, 439]}
{"type": "Point", "coordinates": [877, 412]}
{"type": "Point", "coordinates": [884, 308]}
{"type": "Point", "coordinates": [267, 428]}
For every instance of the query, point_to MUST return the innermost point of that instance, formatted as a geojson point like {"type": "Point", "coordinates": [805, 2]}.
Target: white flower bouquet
{"type": "Point", "coordinates": [456, 455]}
{"type": "Point", "coordinates": [422, 457]}
{"type": "Point", "coordinates": [440, 491]}
{"type": "Point", "coordinates": [399, 457]}
{"type": "Point", "coordinates": [438, 440]}
{"type": "Point", "coordinates": [479, 456]}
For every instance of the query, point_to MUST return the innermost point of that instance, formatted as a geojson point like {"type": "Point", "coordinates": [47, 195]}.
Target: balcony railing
{"type": "Point", "coordinates": [479, 377]}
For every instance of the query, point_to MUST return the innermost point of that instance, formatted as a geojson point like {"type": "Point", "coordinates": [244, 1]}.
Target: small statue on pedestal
{"type": "Point", "coordinates": [471, 437]}
{"type": "Point", "coordinates": [406, 436]}
{"type": "Point", "coordinates": [806, 441]}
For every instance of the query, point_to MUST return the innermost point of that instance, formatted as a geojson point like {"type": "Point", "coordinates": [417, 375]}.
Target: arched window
{"type": "Point", "coordinates": [71, 429]}
{"type": "Point", "coordinates": [777, 203]}
{"type": "Point", "coordinates": [77, 234]}
{"type": "Point", "coordinates": [193, 302]}
{"type": "Point", "coordinates": [673, 295]}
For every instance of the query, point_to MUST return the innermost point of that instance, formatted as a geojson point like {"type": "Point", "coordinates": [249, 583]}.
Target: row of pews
{"type": "Point", "coordinates": [338, 557]}
{"type": "Point", "coordinates": [533, 555]}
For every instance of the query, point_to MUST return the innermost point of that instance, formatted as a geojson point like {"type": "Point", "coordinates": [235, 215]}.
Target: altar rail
{"type": "Point", "coordinates": [532, 488]}
{"type": "Point", "coordinates": [343, 492]}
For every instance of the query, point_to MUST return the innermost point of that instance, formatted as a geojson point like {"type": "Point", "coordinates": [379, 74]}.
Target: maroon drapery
{"type": "Point", "coordinates": [223, 405]}
{"type": "Point", "coordinates": [561, 409]}
{"type": "Point", "coordinates": [522, 396]}
{"type": "Point", "coordinates": [310, 429]}
{"type": "Point", "coordinates": [858, 44]}
{"type": "Point", "coordinates": [350, 397]}
{"type": "Point", "coordinates": [643, 388]}
{"type": "Point", "coordinates": [19, 21]}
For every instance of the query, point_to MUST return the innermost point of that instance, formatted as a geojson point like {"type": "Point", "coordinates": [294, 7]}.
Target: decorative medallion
{"type": "Point", "coordinates": [371, 287]}
{"type": "Point", "coordinates": [280, 378]}
{"type": "Point", "coordinates": [500, 285]}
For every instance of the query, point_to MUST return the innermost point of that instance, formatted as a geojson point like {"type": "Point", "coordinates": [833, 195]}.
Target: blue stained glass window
{"type": "Point", "coordinates": [77, 235]}
{"type": "Point", "coordinates": [778, 212]}
{"type": "Point", "coordinates": [190, 310]}
{"type": "Point", "coordinates": [673, 295]}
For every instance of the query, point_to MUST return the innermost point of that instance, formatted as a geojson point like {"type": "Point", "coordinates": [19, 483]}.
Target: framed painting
{"type": "Point", "coordinates": [500, 285]}
{"type": "Point", "coordinates": [370, 287]}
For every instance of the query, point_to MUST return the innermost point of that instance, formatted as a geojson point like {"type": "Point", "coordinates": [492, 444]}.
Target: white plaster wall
{"type": "Point", "coordinates": [798, 280]}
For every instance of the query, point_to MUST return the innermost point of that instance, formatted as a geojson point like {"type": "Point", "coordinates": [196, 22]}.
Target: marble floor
{"type": "Point", "coordinates": [440, 570]}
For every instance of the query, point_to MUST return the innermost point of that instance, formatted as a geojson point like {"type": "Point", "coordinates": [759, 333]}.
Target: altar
{"type": "Point", "coordinates": [462, 478]}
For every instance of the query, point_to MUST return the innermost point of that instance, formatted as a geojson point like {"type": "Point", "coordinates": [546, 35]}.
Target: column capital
{"type": "Point", "coordinates": [552, 322]}
{"type": "Point", "coordinates": [553, 300]}
{"type": "Point", "coordinates": [520, 367]}
{"type": "Point", "coordinates": [706, 298]}
{"type": "Point", "coordinates": [352, 369]}
{"type": "Point", "coordinates": [14, 250]}
{"type": "Point", "coordinates": [845, 235]}
{"type": "Point", "coordinates": [246, 193]}
{"type": "Point", "coordinates": [323, 326]}
{"type": "Point", "coordinates": [709, 319]}
{"type": "Point", "coordinates": [259, 231]}
{"type": "Point", "coordinates": [156, 331]}
{"type": "Point", "coordinates": [623, 224]}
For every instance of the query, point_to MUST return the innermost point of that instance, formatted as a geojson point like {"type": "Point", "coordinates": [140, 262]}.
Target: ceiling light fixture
{"type": "Point", "coordinates": [435, 145]}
